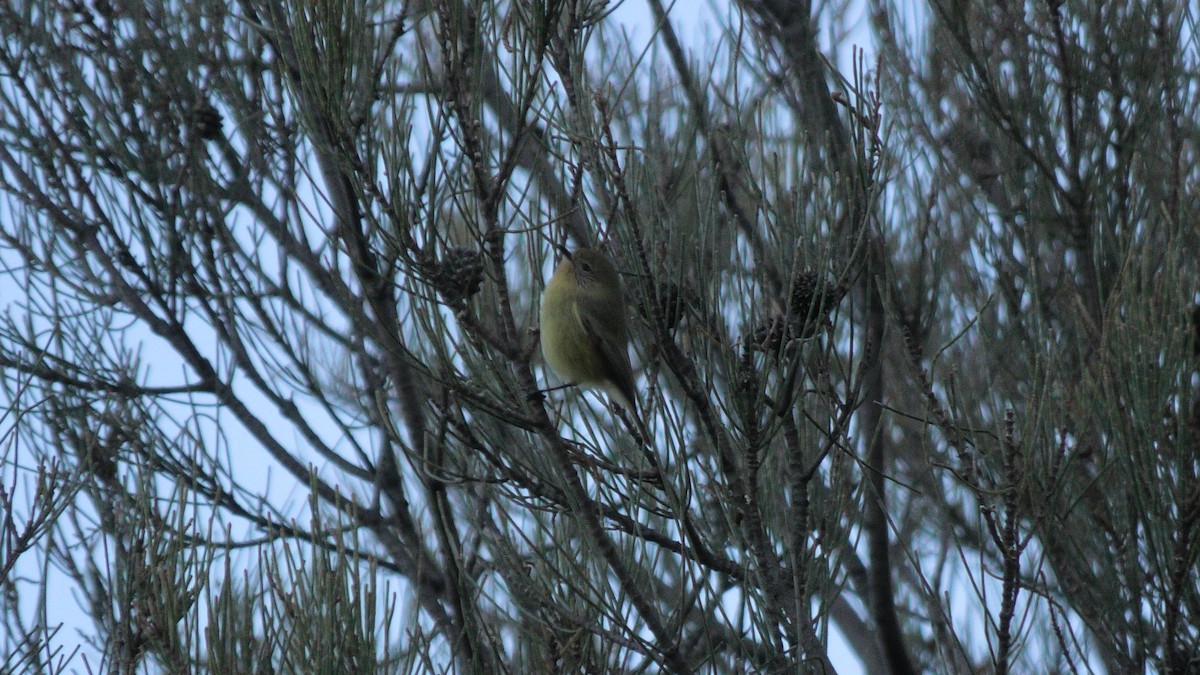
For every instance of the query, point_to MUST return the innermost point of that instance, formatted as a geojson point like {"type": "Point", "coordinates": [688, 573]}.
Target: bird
{"type": "Point", "coordinates": [584, 330]}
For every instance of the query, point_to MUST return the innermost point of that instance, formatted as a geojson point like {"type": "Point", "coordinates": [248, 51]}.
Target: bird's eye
{"type": "Point", "coordinates": [585, 267]}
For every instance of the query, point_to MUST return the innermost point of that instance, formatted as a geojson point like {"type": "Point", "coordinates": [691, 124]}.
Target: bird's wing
{"type": "Point", "coordinates": [611, 339]}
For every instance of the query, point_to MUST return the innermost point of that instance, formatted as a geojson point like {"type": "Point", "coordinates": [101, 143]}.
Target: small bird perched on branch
{"type": "Point", "coordinates": [585, 336]}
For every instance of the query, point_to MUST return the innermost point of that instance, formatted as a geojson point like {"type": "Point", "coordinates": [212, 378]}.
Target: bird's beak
{"type": "Point", "coordinates": [563, 250]}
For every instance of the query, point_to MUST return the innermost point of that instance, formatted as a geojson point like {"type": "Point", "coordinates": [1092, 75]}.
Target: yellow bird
{"type": "Point", "coordinates": [585, 336]}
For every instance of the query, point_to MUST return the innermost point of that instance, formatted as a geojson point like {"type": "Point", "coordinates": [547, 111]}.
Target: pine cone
{"type": "Point", "coordinates": [458, 276]}
{"type": "Point", "coordinates": [812, 301]}
{"type": "Point", "coordinates": [770, 335]}
{"type": "Point", "coordinates": [206, 122]}
{"type": "Point", "coordinates": [810, 305]}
